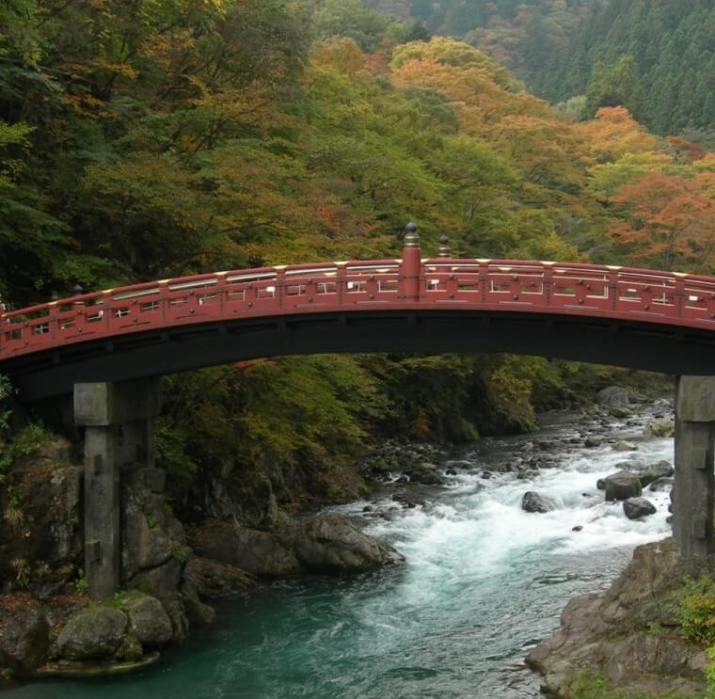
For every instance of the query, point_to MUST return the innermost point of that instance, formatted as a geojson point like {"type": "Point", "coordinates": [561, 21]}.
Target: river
{"type": "Point", "coordinates": [483, 582]}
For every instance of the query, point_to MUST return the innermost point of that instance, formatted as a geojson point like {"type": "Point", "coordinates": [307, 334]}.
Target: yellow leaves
{"type": "Point", "coordinates": [481, 93]}
{"type": "Point", "coordinates": [614, 133]}
{"type": "Point", "coordinates": [123, 70]}
{"type": "Point", "coordinates": [605, 179]}
{"type": "Point", "coordinates": [85, 105]}
{"type": "Point", "coordinates": [343, 55]}
{"type": "Point", "coordinates": [453, 53]}
{"type": "Point", "coordinates": [705, 173]}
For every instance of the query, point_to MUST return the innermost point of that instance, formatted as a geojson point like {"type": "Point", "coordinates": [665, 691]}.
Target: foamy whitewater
{"type": "Point", "coordinates": [483, 582]}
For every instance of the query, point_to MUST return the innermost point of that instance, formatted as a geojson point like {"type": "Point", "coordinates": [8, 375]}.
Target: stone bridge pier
{"type": "Point", "coordinates": [694, 490]}
{"type": "Point", "coordinates": [117, 419]}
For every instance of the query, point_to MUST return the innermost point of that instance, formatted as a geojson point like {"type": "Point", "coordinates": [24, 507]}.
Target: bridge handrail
{"type": "Point", "coordinates": [548, 287]}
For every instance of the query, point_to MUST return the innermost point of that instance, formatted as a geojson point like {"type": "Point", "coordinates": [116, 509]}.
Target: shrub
{"type": "Point", "coordinates": [696, 610]}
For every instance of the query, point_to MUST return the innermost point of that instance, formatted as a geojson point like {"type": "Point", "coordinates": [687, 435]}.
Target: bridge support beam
{"type": "Point", "coordinates": [694, 490]}
{"type": "Point", "coordinates": [117, 421]}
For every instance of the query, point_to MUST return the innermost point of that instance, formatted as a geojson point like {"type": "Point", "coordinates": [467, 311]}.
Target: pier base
{"type": "Point", "coordinates": [117, 420]}
{"type": "Point", "coordinates": [694, 490]}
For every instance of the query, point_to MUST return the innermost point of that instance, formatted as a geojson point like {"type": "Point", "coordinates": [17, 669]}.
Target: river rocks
{"type": "Point", "coordinates": [459, 465]}
{"type": "Point", "coordinates": [93, 633]}
{"type": "Point", "coordinates": [333, 544]}
{"type": "Point", "coordinates": [613, 396]}
{"type": "Point", "coordinates": [654, 472]}
{"type": "Point", "coordinates": [592, 442]}
{"type": "Point", "coordinates": [534, 502]}
{"type": "Point", "coordinates": [636, 508]}
{"type": "Point", "coordinates": [326, 544]}
{"type": "Point", "coordinates": [622, 445]}
{"type": "Point", "coordinates": [622, 485]}
{"type": "Point", "coordinates": [661, 484]}
{"type": "Point", "coordinates": [616, 401]}
{"type": "Point", "coordinates": [120, 632]}
{"type": "Point", "coordinates": [645, 473]}
{"type": "Point", "coordinates": [148, 621]}
{"type": "Point", "coordinates": [609, 634]}
{"type": "Point", "coordinates": [162, 581]}
{"type": "Point", "coordinates": [24, 633]}
{"type": "Point", "coordinates": [212, 578]}
{"type": "Point", "coordinates": [426, 473]}
{"type": "Point", "coordinates": [392, 457]}
{"type": "Point", "coordinates": [256, 552]}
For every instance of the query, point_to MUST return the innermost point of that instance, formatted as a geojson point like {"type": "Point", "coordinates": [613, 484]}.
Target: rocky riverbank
{"type": "Point", "coordinates": [405, 474]}
{"type": "Point", "coordinates": [631, 636]}
{"type": "Point", "coordinates": [170, 572]}
{"type": "Point", "coordinates": [172, 569]}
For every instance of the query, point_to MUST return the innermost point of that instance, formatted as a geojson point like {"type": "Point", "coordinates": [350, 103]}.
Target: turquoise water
{"type": "Point", "coordinates": [483, 582]}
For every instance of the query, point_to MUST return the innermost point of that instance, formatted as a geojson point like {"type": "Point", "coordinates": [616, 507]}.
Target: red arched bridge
{"type": "Point", "coordinates": [106, 347]}
{"type": "Point", "coordinates": [662, 321]}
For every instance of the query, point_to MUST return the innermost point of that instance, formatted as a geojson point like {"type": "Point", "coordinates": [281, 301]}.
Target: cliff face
{"type": "Point", "coordinates": [50, 627]}
{"type": "Point", "coordinates": [630, 635]}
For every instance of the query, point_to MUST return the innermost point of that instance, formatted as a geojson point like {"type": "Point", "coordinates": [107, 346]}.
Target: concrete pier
{"type": "Point", "coordinates": [694, 490]}
{"type": "Point", "coordinates": [117, 420]}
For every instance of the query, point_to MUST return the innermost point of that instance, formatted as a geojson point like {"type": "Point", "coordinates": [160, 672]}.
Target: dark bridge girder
{"type": "Point", "coordinates": [645, 346]}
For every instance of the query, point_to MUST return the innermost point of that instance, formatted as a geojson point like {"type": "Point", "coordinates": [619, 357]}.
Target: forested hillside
{"type": "Point", "coordinates": [671, 85]}
{"type": "Point", "coordinates": [143, 140]}
{"type": "Point", "coordinates": [656, 58]}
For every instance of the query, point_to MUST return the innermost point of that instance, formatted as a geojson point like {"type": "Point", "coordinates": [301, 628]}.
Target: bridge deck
{"type": "Point", "coordinates": [554, 309]}
{"type": "Point", "coordinates": [624, 294]}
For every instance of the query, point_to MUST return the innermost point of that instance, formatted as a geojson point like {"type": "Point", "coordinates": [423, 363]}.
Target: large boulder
{"type": "Point", "coordinates": [534, 502]}
{"type": "Point", "coordinates": [661, 485]}
{"type": "Point", "coordinates": [653, 472]}
{"type": "Point", "coordinates": [162, 581]}
{"type": "Point", "coordinates": [605, 634]}
{"type": "Point", "coordinates": [94, 633]}
{"type": "Point", "coordinates": [622, 485]}
{"type": "Point", "coordinates": [151, 534]}
{"type": "Point", "coordinates": [333, 544]}
{"type": "Point", "coordinates": [24, 633]}
{"type": "Point", "coordinates": [148, 620]}
{"type": "Point", "coordinates": [635, 508]}
{"type": "Point", "coordinates": [614, 396]}
{"type": "Point", "coordinates": [326, 544]}
{"type": "Point", "coordinates": [259, 553]}
{"type": "Point", "coordinates": [212, 578]}
{"type": "Point", "coordinates": [426, 473]}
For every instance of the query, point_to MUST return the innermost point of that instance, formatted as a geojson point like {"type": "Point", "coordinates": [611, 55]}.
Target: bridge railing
{"type": "Point", "coordinates": [443, 282]}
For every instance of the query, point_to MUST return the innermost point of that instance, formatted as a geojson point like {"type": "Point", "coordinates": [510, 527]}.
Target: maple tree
{"type": "Point", "coordinates": [669, 222]}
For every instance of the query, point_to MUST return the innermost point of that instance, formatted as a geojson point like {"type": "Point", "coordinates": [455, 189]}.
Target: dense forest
{"type": "Point", "coordinates": [143, 140]}
{"type": "Point", "coordinates": [656, 58]}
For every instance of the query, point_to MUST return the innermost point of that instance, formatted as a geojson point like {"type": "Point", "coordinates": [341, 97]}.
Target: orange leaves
{"type": "Point", "coordinates": [669, 220]}
{"type": "Point", "coordinates": [614, 133]}
{"type": "Point", "coordinates": [342, 54]}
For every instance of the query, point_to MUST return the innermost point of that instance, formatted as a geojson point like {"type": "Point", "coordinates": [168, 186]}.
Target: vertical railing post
{"type": "Point", "coordinates": [613, 287]}
{"type": "Point", "coordinates": [280, 287]}
{"type": "Point", "coordinates": [340, 282]}
{"type": "Point", "coordinates": [679, 296]}
{"type": "Point", "coordinates": [548, 282]}
{"type": "Point", "coordinates": [411, 265]}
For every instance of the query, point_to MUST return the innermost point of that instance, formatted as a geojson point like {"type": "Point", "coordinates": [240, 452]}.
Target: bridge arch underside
{"type": "Point", "coordinates": [647, 346]}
